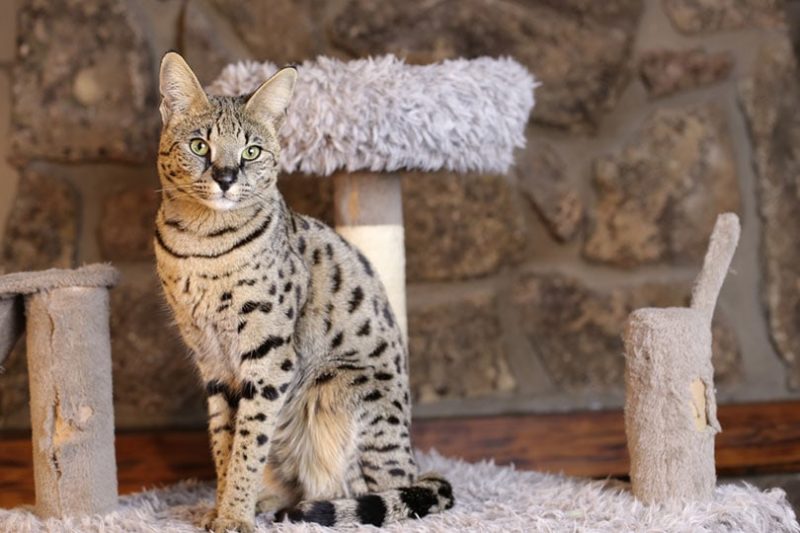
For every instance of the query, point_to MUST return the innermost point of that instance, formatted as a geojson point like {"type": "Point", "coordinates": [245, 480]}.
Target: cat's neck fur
{"type": "Point", "coordinates": [202, 220]}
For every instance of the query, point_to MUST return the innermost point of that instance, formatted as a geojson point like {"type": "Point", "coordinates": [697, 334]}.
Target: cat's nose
{"type": "Point", "coordinates": [224, 176]}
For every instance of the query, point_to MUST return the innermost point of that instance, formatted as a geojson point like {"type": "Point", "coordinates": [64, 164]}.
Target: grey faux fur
{"type": "Point", "coordinates": [96, 275]}
{"type": "Point", "coordinates": [490, 499]}
{"type": "Point", "coordinates": [380, 114]}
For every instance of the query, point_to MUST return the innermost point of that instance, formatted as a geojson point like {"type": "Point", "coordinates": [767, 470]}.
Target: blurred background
{"type": "Point", "coordinates": [653, 116]}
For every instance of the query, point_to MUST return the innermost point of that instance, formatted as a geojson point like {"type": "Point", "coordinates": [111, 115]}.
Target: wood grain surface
{"type": "Point", "coordinates": [756, 438]}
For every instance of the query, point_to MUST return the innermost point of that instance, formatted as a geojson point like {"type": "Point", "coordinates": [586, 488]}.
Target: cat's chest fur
{"type": "Point", "coordinates": [224, 304]}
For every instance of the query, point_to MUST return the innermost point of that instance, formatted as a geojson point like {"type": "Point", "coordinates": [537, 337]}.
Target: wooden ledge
{"type": "Point", "coordinates": [756, 438]}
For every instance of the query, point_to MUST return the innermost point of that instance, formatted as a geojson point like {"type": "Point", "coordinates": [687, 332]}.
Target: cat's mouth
{"type": "Point", "coordinates": [220, 200]}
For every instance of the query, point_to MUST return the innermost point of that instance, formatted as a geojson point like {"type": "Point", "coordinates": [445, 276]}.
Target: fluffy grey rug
{"type": "Point", "coordinates": [381, 114]}
{"type": "Point", "coordinates": [488, 498]}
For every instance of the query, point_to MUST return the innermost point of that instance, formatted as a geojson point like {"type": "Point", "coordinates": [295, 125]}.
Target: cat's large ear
{"type": "Point", "coordinates": [270, 100]}
{"type": "Point", "coordinates": [180, 90]}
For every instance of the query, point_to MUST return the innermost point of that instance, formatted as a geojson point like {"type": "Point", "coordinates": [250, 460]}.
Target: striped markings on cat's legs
{"type": "Point", "coordinates": [265, 374]}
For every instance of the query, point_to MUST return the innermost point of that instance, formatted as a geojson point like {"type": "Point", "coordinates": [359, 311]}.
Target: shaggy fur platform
{"type": "Point", "coordinates": [488, 498]}
{"type": "Point", "coordinates": [380, 114]}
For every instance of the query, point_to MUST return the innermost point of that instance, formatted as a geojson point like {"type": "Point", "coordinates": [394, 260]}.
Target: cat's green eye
{"type": "Point", "coordinates": [199, 147]}
{"type": "Point", "coordinates": [251, 152]}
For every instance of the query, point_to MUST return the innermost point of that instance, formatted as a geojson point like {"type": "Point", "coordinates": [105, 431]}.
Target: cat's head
{"type": "Point", "coordinates": [221, 152]}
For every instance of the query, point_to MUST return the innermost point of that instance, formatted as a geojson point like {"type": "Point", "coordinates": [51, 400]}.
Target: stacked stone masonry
{"type": "Point", "coordinates": [653, 116]}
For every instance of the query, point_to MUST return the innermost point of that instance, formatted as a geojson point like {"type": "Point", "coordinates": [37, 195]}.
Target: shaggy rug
{"type": "Point", "coordinates": [488, 498]}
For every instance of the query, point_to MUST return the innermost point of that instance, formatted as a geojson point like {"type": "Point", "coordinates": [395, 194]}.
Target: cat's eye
{"type": "Point", "coordinates": [199, 147]}
{"type": "Point", "coordinates": [251, 152]}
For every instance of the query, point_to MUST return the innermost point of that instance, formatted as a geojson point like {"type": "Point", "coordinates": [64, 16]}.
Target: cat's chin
{"type": "Point", "coordinates": [221, 204]}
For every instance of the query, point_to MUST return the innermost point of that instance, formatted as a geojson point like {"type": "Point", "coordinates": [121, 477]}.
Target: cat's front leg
{"type": "Point", "coordinates": [265, 374]}
{"type": "Point", "coordinates": [222, 402]}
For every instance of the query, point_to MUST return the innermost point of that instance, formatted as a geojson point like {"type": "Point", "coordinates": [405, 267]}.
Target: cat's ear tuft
{"type": "Point", "coordinates": [270, 100]}
{"type": "Point", "coordinates": [180, 90]}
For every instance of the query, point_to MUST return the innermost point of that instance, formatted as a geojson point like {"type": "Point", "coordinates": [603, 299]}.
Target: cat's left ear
{"type": "Point", "coordinates": [270, 100]}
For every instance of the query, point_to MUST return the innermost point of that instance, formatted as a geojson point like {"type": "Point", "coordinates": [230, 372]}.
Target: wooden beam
{"type": "Point", "coordinates": [756, 438]}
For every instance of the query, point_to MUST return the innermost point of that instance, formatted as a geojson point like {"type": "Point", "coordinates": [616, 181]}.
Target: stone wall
{"type": "Point", "coordinates": [653, 116]}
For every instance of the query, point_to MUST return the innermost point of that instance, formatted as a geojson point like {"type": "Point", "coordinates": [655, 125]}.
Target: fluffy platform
{"type": "Point", "coordinates": [380, 114]}
{"type": "Point", "coordinates": [489, 498]}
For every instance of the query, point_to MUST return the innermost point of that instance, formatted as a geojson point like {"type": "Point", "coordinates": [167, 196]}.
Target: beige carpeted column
{"type": "Point", "coordinates": [369, 214]}
{"type": "Point", "coordinates": [69, 368]}
{"type": "Point", "coordinates": [670, 406]}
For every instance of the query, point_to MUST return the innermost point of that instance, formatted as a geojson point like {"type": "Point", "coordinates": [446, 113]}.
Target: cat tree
{"type": "Point", "coordinates": [65, 317]}
{"type": "Point", "coordinates": [363, 122]}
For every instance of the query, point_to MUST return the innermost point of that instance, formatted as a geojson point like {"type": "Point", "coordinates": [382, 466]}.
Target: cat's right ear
{"type": "Point", "coordinates": [180, 90]}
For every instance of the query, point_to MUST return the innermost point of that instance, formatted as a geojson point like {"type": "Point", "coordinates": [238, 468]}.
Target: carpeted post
{"type": "Point", "coordinates": [670, 407]}
{"type": "Point", "coordinates": [368, 210]}
{"type": "Point", "coordinates": [69, 368]}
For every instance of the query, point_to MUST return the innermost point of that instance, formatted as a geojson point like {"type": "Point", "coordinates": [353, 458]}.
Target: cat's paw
{"type": "Point", "coordinates": [207, 522]}
{"type": "Point", "coordinates": [223, 524]}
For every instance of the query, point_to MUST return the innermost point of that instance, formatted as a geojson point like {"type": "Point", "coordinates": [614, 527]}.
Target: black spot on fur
{"type": "Point", "coordinates": [216, 387]}
{"type": "Point", "coordinates": [287, 365]}
{"type": "Point", "coordinates": [366, 265]}
{"type": "Point", "coordinates": [301, 245]}
{"type": "Point", "coordinates": [356, 298]}
{"type": "Point", "coordinates": [397, 472]}
{"type": "Point", "coordinates": [270, 393]}
{"type": "Point", "coordinates": [287, 287]}
{"type": "Point", "coordinates": [329, 251]}
{"type": "Point", "coordinates": [378, 350]}
{"type": "Point", "coordinates": [360, 380]}
{"type": "Point", "coordinates": [336, 278]}
{"type": "Point", "coordinates": [225, 297]}
{"type": "Point", "coordinates": [248, 390]}
{"type": "Point", "coordinates": [261, 439]}
{"type": "Point", "coordinates": [315, 256]}
{"type": "Point", "coordinates": [244, 432]}
{"type": "Point", "coordinates": [393, 420]}
{"type": "Point", "coordinates": [337, 340]}
{"type": "Point", "coordinates": [250, 306]}
{"type": "Point", "coordinates": [383, 376]}
{"type": "Point", "coordinates": [419, 500]}
{"type": "Point", "coordinates": [261, 417]}
{"type": "Point", "coordinates": [387, 314]}
{"type": "Point", "coordinates": [269, 344]}
{"type": "Point", "coordinates": [324, 378]}
{"type": "Point", "coordinates": [364, 329]}
{"type": "Point", "coordinates": [241, 326]}
{"type": "Point", "coordinates": [373, 396]}
{"type": "Point", "coordinates": [371, 509]}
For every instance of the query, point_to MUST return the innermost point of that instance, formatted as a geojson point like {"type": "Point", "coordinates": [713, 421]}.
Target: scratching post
{"type": "Point", "coordinates": [368, 211]}
{"type": "Point", "coordinates": [69, 367]}
{"type": "Point", "coordinates": [365, 120]}
{"type": "Point", "coordinates": [670, 407]}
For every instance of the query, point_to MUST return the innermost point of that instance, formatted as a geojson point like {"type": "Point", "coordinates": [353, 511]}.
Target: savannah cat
{"type": "Point", "coordinates": [305, 367]}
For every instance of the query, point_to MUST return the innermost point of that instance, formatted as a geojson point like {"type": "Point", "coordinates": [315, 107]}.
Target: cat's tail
{"type": "Point", "coordinates": [430, 493]}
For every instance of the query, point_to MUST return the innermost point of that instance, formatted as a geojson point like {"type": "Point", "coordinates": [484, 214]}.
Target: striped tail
{"type": "Point", "coordinates": [430, 493]}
